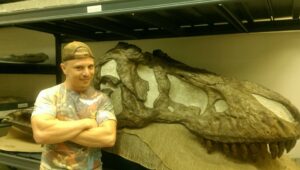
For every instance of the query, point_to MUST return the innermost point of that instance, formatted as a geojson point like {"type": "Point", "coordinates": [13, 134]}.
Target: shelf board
{"type": "Point", "coordinates": [27, 68]}
{"type": "Point", "coordinates": [97, 9]}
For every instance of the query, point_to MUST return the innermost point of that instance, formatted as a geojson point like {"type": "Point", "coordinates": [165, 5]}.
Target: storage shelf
{"type": "Point", "coordinates": [82, 11]}
{"type": "Point", "coordinates": [20, 160]}
{"type": "Point", "coordinates": [144, 19]}
{"type": "Point", "coordinates": [27, 68]}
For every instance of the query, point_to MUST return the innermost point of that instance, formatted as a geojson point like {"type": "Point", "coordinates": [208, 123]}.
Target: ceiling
{"type": "Point", "coordinates": [143, 19]}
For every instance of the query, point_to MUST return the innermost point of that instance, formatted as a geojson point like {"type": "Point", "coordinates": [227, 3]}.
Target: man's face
{"type": "Point", "coordinates": [79, 73]}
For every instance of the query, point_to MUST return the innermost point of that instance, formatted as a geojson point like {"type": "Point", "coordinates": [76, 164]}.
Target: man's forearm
{"type": "Point", "coordinates": [48, 131]}
{"type": "Point", "coordinates": [102, 136]}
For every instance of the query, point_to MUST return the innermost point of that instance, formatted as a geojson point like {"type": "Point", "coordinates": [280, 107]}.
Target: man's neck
{"type": "Point", "coordinates": [76, 89]}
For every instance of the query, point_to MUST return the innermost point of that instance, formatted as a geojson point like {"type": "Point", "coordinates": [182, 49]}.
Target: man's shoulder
{"type": "Point", "coordinates": [51, 90]}
{"type": "Point", "coordinates": [102, 94]}
{"type": "Point", "coordinates": [95, 92]}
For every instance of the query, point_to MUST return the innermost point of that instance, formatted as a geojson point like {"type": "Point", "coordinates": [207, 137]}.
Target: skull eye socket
{"type": "Point", "coordinates": [221, 106]}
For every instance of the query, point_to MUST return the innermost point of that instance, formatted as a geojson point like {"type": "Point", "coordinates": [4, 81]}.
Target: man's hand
{"type": "Point", "coordinates": [102, 136]}
{"type": "Point", "coordinates": [90, 123]}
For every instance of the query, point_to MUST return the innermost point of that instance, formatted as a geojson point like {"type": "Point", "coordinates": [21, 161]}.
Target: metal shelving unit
{"type": "Point", "coordinates": [143, 19]}
{"type": "Point", "coordinates": [30, 161]}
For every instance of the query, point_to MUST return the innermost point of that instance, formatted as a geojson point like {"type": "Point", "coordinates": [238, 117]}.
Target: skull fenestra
{"type": "Point", "coordinates": [237, 117]}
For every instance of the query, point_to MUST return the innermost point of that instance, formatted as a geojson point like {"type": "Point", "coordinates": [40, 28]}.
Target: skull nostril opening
{"type": "Point", "coordinates": [277, 108]}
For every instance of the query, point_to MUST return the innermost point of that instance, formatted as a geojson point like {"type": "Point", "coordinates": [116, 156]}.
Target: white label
{"type": "Point", "coordinates": [94, 8]}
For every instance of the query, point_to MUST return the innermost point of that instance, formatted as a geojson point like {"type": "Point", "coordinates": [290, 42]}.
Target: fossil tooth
{"type": "Point", "coordinates": [273, 148]}
{"type": "Point", "coordinates": [281, 148]}
{"type": "Point", "coordinates": [226, 148]}
{"type": "Point", "coordinates": [201, 140]}
{"type": "Point", "coordinates": [289, 145]}
{"type": "Point", "coordinates": [254, 148]}
{"type": "Point", "coordinates": [209, 145]}
{"type": "Point", "coordinates": [234, 149]}
{"type": "Point", "coordinates": [244, 151]}
{"type": "Point", "coordinates": [263, 150]}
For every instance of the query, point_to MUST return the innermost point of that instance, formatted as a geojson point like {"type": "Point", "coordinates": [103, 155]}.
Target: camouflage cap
{"type": "Point", "coordinates": [76, 50]}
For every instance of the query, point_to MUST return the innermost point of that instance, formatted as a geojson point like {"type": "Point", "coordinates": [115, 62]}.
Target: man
{"type": "Point", "coordinates": [72, 119]}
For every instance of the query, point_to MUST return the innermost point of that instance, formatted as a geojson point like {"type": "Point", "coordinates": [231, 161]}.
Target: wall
{"type": "Point", "coordinates": [271, 59]}
{"type": "Point", "coordinates": [20, 41]}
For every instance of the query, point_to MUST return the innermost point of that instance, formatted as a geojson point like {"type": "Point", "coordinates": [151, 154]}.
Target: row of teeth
{"type": "Point", "coordinates": [250, 150]}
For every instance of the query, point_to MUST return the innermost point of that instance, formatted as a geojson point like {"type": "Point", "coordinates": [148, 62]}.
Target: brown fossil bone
{"type": "Point", "coordinates": [20, 119]}
{"type": "Point", "coordinates": [241, 118]}
{"type": "Point", "coordinates": [26, 58]}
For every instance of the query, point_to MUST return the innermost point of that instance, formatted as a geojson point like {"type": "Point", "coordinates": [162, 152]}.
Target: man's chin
{"type": "Point", "coordinates": [81, 89]}
{"type": "Point", "coordinates": [86, 86]}
{"type": "Point", "coordinates": [83, 86]}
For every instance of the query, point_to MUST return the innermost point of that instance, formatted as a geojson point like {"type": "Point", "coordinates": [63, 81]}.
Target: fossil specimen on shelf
{"type": "Point", "coordinates": [239, 118]}
{"type": "Point", "coordinates": [25, 58]}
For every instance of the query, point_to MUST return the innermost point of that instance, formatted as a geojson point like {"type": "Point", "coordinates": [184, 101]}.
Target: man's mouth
{"type": "Point", "coordinates": [85, 80]}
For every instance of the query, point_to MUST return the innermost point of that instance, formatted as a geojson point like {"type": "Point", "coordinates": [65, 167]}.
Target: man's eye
{"type": "Point", "coordinates": [78, 68]}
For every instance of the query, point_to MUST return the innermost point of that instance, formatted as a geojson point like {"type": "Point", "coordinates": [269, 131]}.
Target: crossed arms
{"type": "Point", "coordinates": [86, 132]}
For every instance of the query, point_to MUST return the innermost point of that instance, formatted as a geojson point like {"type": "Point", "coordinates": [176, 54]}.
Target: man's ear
{"type": "Point", "coordinates": [63, 67]}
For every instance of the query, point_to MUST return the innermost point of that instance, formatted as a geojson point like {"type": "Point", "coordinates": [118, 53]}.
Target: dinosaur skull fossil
{"type": "Point", "coordinates": [238, 117]}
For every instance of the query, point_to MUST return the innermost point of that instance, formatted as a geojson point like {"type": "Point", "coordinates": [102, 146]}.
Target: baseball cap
{"type": "Point", "coordinates": [75, 50]}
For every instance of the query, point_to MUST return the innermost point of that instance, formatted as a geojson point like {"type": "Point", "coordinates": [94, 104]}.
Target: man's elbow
{"type": "Point", "coordinates": [110, 141]}
{"type": "Point", "coordinates": [43, 138]}
{"type": "Point", "coordinates": [40, 138]}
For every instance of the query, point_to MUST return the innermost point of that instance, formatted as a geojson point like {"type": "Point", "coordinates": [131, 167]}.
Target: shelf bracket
{"type": "Point", "coordinates": [296, 9]}
{"type": "Point", "coordinates": [231, 18]}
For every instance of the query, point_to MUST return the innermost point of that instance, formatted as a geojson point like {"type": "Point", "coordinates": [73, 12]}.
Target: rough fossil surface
{"type": "Point", "coordinates": [26, 58]}
{"type": "Point", "coordinates": [239, 118]}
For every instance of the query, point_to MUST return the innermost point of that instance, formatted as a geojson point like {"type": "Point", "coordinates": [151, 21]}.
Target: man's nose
{"type": "Point", "coordinates": [86, 71]}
